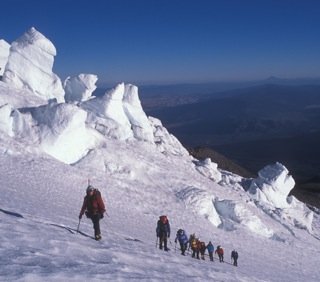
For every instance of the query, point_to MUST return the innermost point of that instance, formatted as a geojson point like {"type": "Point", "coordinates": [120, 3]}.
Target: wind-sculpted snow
{"type": "Point", "coordinates": [298, 214]}
{"type": "Point", "coordinates": [166, 142]}
{"type": "Point", "coordinates": [140, 124]}
{"type": "Point", "coordinates": [15, 124]}
{"type": "Point", "coordinates": [30, 65]}
{"type": "Point", "coordinates": [228, 215]}
{"type": "Point", "coordinates": [4, 54]}
{"type": "Point", "coordinates": [235, 214]}
{"type": "Point", "coordinates": [200, 202]}
{"type": "Point", "coordinates": [236, 182]}
{"type": "Point", "coordinates": [80, 87]}
{"type": "Point", "coordinates": [69, 132]}
{"type": "Point", "coordinates": [209, 169]}
{"type": "Point", "coordinates": [6, 120]}
{"type": "Point", "coordinates": [119, 114]}
{"type": "Point", "coordinates": [271, 189]}
{"type": "Point", "coordinates": [63, 131]}
{"type": "Point", "coordinates": [272, 186]}
{"type": "Point", "coordinates": [18, 98]}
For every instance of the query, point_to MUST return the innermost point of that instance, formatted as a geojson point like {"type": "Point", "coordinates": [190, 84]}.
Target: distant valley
{"type": "Point", "coordinates": [253, 126]}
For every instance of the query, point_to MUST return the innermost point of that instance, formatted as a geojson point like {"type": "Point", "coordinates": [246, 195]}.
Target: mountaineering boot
{"type": "Point", "coordinates": [98, 237]}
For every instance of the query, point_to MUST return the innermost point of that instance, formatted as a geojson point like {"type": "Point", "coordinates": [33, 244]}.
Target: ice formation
{"type": "Point", "coordinates": [30, 65]}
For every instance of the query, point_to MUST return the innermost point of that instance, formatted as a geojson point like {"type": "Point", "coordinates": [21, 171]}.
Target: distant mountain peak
{"type": "Point", "coordinates": [273, 78]}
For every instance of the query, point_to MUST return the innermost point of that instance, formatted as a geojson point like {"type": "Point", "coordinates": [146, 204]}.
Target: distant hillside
{"type": "Point", "coordinates": [300, 154]}
{"type": "Point", "coordinates": [254, 126]}
{"type": "Point", "coordinates": [306, 195]}
{"type": "Point", "coordinates": [254, 113]}
{"type": "Point", "coordinates": [161, 96]}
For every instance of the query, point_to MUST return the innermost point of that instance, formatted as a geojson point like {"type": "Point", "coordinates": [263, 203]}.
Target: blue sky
{"type": "Point", "coordinates": [170, 41]}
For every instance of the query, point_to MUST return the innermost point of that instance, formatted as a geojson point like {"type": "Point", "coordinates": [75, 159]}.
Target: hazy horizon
{"type": "Point", "coordinates": [271, 78]}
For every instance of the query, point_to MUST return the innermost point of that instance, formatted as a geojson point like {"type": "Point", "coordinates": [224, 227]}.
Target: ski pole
{"type": "Point", "coordinates": [157, 242]}
{"type": "Point", "coordinates": [175, 246]}
{"type": "Point", "coordinates": [78, 226]}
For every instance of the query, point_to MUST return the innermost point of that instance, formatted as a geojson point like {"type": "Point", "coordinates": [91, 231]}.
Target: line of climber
{"type": "Point", "coordinates": [197, 247]}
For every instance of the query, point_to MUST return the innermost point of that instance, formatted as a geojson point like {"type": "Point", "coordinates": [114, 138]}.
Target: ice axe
{"type": "Point", "coordinates": [78, 225]}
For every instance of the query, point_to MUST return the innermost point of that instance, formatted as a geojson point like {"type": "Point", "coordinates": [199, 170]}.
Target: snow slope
{"type": "Point", "coordinates": [50, 150]}
{"type": "Point", "coordinates": [43, 243]}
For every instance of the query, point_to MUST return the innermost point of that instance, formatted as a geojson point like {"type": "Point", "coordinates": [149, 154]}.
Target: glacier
{"type": "Point", "coordinates": [56, 138]}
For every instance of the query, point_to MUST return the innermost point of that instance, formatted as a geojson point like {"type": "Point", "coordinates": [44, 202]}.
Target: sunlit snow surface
{"type": "Point", "coordinates": [43, 244]}
{"type": "Point", "coordinates": [48, 153]}
{"type": "Point", "coordinates": [4, 54]}
{"type": "Point", "coordinates": [30, 65]}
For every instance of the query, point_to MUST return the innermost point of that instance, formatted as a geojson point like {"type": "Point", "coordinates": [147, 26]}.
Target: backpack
{"type": "Point", "coordinates": [210, 247]}
{"type": "Point", "coordinates": [194, 243]}
{"type": "Point", "coordinates": [220, 251]}
{"type": "Point", "coordinates": [164, 219]}
{"type": "Point", "coordinates": [235, 254]}
{"type": "Point", "coordinates": [180, 232]}
{"type": "Point", "coordinates": [92, 201]}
